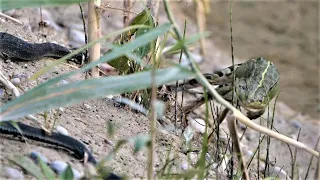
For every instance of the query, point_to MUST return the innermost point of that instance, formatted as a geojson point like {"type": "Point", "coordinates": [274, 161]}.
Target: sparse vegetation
{"type": "Point", "coordinates": [138, 53]}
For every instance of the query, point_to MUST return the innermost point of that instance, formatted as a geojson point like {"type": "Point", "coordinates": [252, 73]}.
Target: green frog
{"type": "Point", "coordinates": [256, 84]}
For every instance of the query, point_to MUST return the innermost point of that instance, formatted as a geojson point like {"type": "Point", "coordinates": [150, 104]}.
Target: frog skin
{"type": "Point", "coordinates": [256, 84]}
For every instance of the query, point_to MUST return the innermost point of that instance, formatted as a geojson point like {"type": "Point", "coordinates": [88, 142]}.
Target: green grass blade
{"type": "Point", "coordinates": [102, 39]}
{"type": "Point", "coordinates": [28, 165]}
{"type": "Point", "coordinates": [67, 174]}
{"type": "Point", "coordinates": [40, 99]}
{"type": "Point", "coordinates": [117, 52]}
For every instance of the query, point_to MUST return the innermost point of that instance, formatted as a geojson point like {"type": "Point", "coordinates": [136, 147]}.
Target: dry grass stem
{"type": "Point", "coordinates": [94, 34]}
{"type": "Point", "coordinates": [233, 133]}
{"type": "Point", "coordinates": [11, 19]}
{"type": "Point", "coordinates": [201, 23]}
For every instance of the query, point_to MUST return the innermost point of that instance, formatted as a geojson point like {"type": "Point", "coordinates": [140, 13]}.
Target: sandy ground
{"type": "Point", "coordinates": [279, 31]}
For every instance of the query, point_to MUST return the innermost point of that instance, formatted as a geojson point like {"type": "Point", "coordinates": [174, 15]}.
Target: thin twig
{"type": "Point", "coordinates": [201, 23]}
{"type": "Point", "coordinates": [309, 166]}
{"type": "Point", "coordinates": [293, 166]}
{"type": "Point", "coordinates": [11, 19]}
{"type": "Point", "coordinates": [85, 32]}
{"type": "Point", "coordinates": [153, 111]}
{"type": "Point", "coordinates": [256, 150]}
{"type": "Point", "coordinates": [177, 82]}
{"type": "Point", "coordinates": [233, 133]}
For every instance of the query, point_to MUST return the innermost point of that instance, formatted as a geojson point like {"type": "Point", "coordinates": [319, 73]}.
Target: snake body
{"type": "Point", "coordinates": [62, 141]}
{"type": "Point", "coordinates": [12, 47]}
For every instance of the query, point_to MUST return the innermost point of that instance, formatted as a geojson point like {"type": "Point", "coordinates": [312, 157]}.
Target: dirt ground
{"type": "Point", "coordinates": [284, 32]}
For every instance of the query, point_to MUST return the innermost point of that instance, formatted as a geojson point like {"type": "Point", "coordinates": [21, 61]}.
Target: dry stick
{"type": "Point", "coordinates": [234, 74]}
{"type": "Point", "coordinates": [267, 167]}
{"type": "Point", "coordinates": [15, 92]}
{"type": "Point", "coordinates": [11, 18]}
{"type": "Point", "coordinates": [293, 166]}
{"type": "Point", "coordinates": [153, 113]}
{"type": "Point", "coordinates": [258, 156]}
{"type": "Point", "coordinates": [94, 33]}
{"type": "Point", "coordinates": [239, 116]}
{"type": "Point", "coordinates": [177, 84]}
{"type": "Point", "coordinates": [85, 32]}
{"type": "Point", "coordinates": [201, 23]}
{"type": "Point", "coordinates": [233, 133]}
{"type": "Point", "coordinates": [256, 150]}
{"type": "Point", "coordinates": [315, 147]}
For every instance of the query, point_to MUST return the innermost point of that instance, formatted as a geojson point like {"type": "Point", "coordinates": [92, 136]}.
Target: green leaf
{"type": "Point", "coordinates": [46, 98]}
{"type": "Point", "coordinates": [140, 142]}
{"type": "Point", "coordinates": [141, 18]}
{"type": "Point", "coordinates": [67, 173]}
{"type": "Point", "coordinates": [121, 64]}
{"type": "Point", "coordinates": [47, 171]}
{"type": "Point", "coordinates": [124, 64]}
{"type": "Point", "coordinates": [28, 165]}
{"type": "Point", "coordinates": [12, 4]}
{"type": "Point", "coordinates": [144, 50]}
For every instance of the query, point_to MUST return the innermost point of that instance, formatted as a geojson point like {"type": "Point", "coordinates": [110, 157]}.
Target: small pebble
{"type": "Point", "coordinates": [59, 167]}
{"type": "Point", "coordinates": [280, 172]}
{"type": "Point", "coordinates": [296, 124]}
{"type": "Point", "coordinates": [208, 157]}
{"type": "Point", "coordinates": [193, 157]}
{"type": "Point", "coordinates": [34, 155]}
{"type": "Point", "coordinates": [15, 81]}
{"type": "Point", "coordinates": [87, 106]}
{"type": "Point", "coordinates": [76, 37]}
{"type": "Point", "coordinates": [62, 130]}
{"type": "Point", "coordinates": [63, 82]}
{"type": "Point", "coordinates": [184, 166]}
{"type": "Point", "coordinates": [250, 153]}
{"type": "Point", "coordinates": [1, 92]}
{"type": "Point", "coordinates": [188, 134]}
{"type": "Point", "coordinates": [12, 173]}
{"type": "Point", "coordinates": [197, 124]}
{"type": "Point", "coordinates": [61, 109]}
